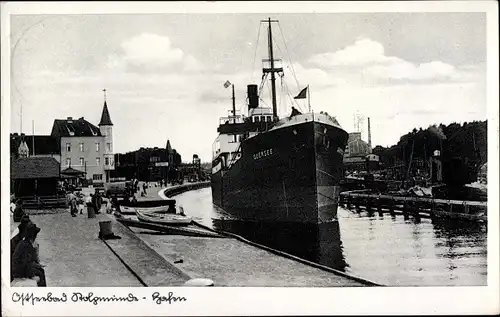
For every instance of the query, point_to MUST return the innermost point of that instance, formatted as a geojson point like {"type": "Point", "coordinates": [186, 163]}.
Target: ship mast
{"type": "Point", "coordinates": [272, 70]}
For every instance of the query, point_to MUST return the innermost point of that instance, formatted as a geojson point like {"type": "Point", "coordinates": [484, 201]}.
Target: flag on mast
{"type": "Point", "coordinates": [227, 84]}
{"type": "Point", "coordinates": [302, 94]}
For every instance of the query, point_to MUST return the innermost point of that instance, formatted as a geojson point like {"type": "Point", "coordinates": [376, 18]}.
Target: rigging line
{"type": "Point", "coordinates": [293, 100]}
{"type": "Point", "coordinates": [289, 57]}
{"type": "Point", "coordinates": [281, 98]}
{"type": "Point", "coordinates": [255, 53]}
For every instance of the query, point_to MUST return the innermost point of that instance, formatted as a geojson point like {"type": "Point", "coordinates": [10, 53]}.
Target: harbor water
{"type": "Point", "coordinates": [393, 251]}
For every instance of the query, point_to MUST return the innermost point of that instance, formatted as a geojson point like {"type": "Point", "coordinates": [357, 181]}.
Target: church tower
{"type": "Point", "coordinates": [106, 128]}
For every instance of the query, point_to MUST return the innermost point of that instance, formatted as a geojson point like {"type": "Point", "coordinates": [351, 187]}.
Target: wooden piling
{"type": "Point", "coordinates": [405, 209]}
{"type": "Point", "coordinates": [379, 207]}
{"type": "Point", "coordinates": [368, 205]}
{"type": "Point", "coordinates": [391, 207]}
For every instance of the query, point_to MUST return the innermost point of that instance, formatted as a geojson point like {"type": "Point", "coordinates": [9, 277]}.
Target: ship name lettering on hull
{"type": "Point", "coordinates": [262, 154]}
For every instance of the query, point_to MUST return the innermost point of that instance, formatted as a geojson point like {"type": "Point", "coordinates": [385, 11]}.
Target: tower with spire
{"type": "Point", "coordinates": [106, 128]}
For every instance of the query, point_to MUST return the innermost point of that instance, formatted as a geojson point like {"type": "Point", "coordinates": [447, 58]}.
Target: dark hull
{"type": "Point", "coordinates": [320, 243]}
{"type": "Point", "coordinates": [149, 203]}
{"type": "Point", "coordinates": [291, 174]}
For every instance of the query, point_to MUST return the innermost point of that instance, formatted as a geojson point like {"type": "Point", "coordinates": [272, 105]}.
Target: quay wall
{"type": "Point", "coordinates": [177, 190]}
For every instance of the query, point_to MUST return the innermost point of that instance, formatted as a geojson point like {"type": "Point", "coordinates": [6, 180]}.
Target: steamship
{"type": "Point", "coordinates": [272, 169]}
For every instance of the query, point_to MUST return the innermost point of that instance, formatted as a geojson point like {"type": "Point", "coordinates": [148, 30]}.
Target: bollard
{"type": "Point", "coordinates": [105, 227]}
{"type": "Point", "coordinates": [90, 211]}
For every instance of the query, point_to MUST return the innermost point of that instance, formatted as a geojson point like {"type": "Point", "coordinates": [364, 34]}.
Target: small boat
{"type": "Point", "coordinates": [165, 219]}
{"type": "Point", "coordinates": [125, 210]}
{"type": "Point", "coordinates": [149, 203]}
{"type": "Point", "coordinates": [130, 210]}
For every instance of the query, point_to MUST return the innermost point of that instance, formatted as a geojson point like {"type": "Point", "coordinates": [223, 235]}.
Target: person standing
{"type": "Point", "coordinates": [73, 205]}
{"type": "Point", "coordinates": [25, 221]}
{"type": "Point", "coordinates": [25, 260]}
{"type": "Point", "coordinates": [18, 211]}
{"type": "Point", "coordinates": [98, 202]}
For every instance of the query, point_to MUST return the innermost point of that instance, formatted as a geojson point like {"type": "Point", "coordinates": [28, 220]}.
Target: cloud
{"type": "Point", "coordinates": [362, 52]}
{"type": "Point", "coordinates": [368, 57]}
{"type": "Point", "coordinates": [405, 70]}
{"type": "Point", "coordinates": [149, 52]}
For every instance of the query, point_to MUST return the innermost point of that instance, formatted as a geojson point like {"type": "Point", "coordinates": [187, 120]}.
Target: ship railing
{"type": "Point", "coordinates": [231, 119]}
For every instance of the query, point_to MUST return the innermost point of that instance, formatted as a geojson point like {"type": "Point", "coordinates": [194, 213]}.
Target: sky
{"type": "Point", "coordinates": [164, 73]}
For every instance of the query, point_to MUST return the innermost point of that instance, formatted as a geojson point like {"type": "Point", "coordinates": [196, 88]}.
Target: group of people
{"type": "Point", "coordinates": [24, 250]}
{"type": "Point", "coordinates": [95, 201]}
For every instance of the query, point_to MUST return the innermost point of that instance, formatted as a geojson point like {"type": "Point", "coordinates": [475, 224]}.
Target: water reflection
{"type": "Point", "coordinates": [318, 243]}
{"type": "Point", "coordinates": [389, 249]}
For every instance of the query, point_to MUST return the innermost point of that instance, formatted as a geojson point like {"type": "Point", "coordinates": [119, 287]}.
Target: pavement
{"type": "Point", "coordinates": [74, 256]}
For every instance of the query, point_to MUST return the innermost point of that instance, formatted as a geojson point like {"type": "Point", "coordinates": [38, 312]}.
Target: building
{"type": "Point", "coordinates": [22, 145]}
{"type": "Point", "coordinates": [356, 153]}
{"type": "Point", "coordinates": [106, 128]}
{"type": "Point", "coordinates": [356, 146]}
{"type": "Point", "coordinates": [34, 176]}
{"type": "Point", "coordinates": [85, 147]}
{"type": "Point", "coordinates": [148, 164]}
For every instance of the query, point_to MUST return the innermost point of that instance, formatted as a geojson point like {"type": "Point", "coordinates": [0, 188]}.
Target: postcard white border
{"type": "Point", "coordinates": [271, 301]}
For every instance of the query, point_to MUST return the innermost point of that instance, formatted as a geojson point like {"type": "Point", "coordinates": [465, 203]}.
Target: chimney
{"type": "Point", "coordinates": [70, 118]}
{"type": "Point", "coordinates": [81, 118]}
{"type": "Point", "coordinates": [369, 135]}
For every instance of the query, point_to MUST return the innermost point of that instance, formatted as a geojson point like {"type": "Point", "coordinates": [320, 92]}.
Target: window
{"type": "Point", "coordinates": [81, 161]}
{"type": "Point", "coordinates": [98, 161]}
{"type": "Point", "coordinates": [81, 147]}
{"type": "Point", "coordinates": [68, 147]}
{"type": "Point", "coordinates": [108, 145]}
{"type": "Point", "coordinates": [97, 147]}
{"type": "Point", "coordinates": [256, 119]}
{"type": "Point", "coordinates": [106, 161]}
{"type": "Point", "coordinates": [97, 177]}
{"type": "Point", "coordinates": [68, 161]}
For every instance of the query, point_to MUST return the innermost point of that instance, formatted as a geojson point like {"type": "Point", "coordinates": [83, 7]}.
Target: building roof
{"type": "Point", "coordinates": [105, 118]}
{"type": "Point", "coordinates": [71, 127]}
{"type": "Point", "coordinates": [44, 144]}
{"type": "Point", "coordinates": [34, 167]}
{"type": "Point", "coordinates": [71, 171]}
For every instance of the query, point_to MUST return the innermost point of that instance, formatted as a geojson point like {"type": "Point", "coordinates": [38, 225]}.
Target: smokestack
{"type": "Point", "coordinates": [369, 135]}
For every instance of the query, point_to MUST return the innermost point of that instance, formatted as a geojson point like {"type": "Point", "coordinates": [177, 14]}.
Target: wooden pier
{"type": "Point", "coordinates": [418, 207]}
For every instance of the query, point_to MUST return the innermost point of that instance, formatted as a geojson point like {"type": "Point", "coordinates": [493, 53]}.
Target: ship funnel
{"type": "Point", "coordinates": [253, 96]}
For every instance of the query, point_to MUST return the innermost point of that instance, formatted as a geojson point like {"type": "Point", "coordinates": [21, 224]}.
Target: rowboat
{"type": "Point", "coordinates": [166, 219]}
{"type": "Point", "coordinates": [149, 203]}
{"type": "Point", "coordinates": [129, 210]}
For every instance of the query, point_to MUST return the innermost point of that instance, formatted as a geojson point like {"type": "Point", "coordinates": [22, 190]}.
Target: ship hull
{"type": "Point", "coordinates": [290, 174]}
